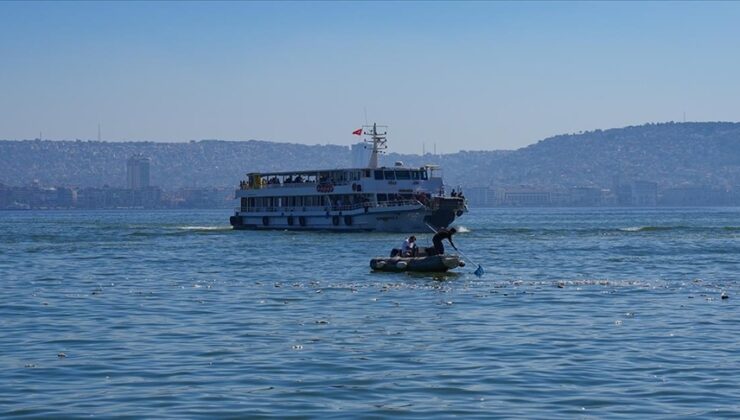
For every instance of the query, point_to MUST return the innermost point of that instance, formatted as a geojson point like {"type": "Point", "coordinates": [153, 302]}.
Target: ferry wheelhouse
{"type": "Point", "coordinates": [385, 199]}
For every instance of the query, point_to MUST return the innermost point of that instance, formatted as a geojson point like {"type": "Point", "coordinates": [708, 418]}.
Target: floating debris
{"type": "Point", "coordinates": [61, 355]}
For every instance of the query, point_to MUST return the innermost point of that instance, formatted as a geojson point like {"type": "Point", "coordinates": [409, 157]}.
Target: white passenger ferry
{"type": "Point", "coordinates": [384, 199]}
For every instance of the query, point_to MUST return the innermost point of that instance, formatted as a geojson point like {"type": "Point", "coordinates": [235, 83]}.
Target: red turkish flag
{"type": "Point", "coordinates": [357, 132]}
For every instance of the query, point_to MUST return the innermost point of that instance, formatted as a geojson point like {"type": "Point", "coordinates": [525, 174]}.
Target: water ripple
{"type": "Point", "coordinates": [582, 313]}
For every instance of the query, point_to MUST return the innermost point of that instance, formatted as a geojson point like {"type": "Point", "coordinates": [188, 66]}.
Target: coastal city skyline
{"type": "Point", "coordinates": [471, 76]}
{"type": "Point", "coordinates": [672, 164]}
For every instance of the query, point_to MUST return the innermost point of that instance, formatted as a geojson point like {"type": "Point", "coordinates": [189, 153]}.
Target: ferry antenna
{"type": "Point", "coordinates": [378, 141]}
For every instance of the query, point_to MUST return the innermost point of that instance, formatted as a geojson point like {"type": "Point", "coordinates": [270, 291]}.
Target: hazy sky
{"type": "Point", "coordinates": [470, 76]}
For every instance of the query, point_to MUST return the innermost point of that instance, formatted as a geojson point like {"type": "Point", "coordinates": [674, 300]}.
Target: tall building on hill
{"type": "Point", "coordinates": [137, 172]}
{"type": "Point", "coordinates": [360, 155]}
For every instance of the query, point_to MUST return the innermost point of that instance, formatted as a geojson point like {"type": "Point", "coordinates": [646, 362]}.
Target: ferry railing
{"type": "Point", "coordinates": [345, 207]}
{"type": "Point", "coordinates": [288, 185]}
{"type": "Point", "coordinates": [246, 186]}
{"type": "Point", "coordinates": [398, 203]}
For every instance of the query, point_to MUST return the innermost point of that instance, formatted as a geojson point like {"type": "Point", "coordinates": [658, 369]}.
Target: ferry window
{"type": "Point", "coordinates": [414, 174]}
{"type": "Point", "coordinates": [403, 175]}
{"type": "Point", "coordinates": [382, 197]}
{"type": "Point", "coordinates": [367, 174]}
{"type": "Point", "coordinates": [424, 175]}
{"type": "Point", "coordinates": [378, 174]}
{"type": "Point", "coordinates": [389, 175]}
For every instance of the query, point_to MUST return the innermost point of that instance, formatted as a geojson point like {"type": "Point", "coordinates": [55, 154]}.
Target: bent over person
{"type": "Point", "coordinates": [441, 234]}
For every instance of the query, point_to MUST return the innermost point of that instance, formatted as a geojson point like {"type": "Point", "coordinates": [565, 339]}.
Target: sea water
{"type": "Point", "coordinates": [582, 313]}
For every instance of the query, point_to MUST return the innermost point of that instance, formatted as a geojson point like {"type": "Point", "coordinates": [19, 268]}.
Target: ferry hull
{"type": "Point", "coordinates": [408, 221]}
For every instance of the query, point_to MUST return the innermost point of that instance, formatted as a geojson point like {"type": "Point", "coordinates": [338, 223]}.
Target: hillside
{"type": "Point", "coordinates": [670, 154]}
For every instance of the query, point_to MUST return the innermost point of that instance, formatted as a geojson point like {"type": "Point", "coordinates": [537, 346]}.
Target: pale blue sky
{"type": "Point", "coordinates": [471, 76]}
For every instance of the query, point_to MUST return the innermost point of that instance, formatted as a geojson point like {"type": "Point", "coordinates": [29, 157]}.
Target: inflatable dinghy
{"type": "Point", "coordinates": [435, 263]}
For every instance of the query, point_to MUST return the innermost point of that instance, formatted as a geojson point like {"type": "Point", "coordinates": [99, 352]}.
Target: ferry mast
{"type": "Point", "coordinates": [378, 141]}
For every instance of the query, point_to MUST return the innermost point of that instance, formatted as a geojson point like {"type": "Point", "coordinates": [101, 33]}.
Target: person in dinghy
{"type": "Point", "coordinates": [409, 249]}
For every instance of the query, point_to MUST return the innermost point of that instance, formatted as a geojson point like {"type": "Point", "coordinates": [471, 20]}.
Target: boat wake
{"type": "Point", "coordinates": [205, 228]}
{"type": "Point", "coordinates": [651, 228]}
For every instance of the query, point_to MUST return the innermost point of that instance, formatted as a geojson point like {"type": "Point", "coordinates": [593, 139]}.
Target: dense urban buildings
{"type": "Point", "coordinates": [137, 194]}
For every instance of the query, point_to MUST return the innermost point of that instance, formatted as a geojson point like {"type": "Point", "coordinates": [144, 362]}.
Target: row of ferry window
{"type": "Point", "coordinates": [400, 174]}
{"type": "Point", "coordinates": [307, 201]}
{"type": "Point", "coordinates": [320, 200]}
{"type": "Point", "coordinates": [334, 177]}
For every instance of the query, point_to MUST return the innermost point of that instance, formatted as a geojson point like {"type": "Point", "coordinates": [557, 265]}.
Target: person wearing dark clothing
{"type": "Point", "coordinates": [441, 234]}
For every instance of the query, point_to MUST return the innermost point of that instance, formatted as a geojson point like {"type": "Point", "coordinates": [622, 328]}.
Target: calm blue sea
{"type": "Point", "coordinates": [582, 313]}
